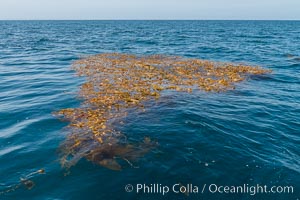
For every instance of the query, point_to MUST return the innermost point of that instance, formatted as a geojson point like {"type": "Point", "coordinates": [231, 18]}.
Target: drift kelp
{"type": "Point", "coordinates": [24, 181]}
{"type": "Point", "coordinates": [116, 83]}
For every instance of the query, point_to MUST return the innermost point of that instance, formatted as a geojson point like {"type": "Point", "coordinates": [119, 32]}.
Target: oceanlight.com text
{"type": "Point", "coordinates": [178, 188]}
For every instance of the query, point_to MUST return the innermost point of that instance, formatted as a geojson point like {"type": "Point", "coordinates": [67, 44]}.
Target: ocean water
{"type": "Point", "coordinates": [250, 135]}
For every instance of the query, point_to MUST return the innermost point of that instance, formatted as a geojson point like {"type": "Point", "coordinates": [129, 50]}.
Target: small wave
{"type": "Point", "coordinates": [21, 126]}
{"type": "Point", "coordinates": [10, 149]}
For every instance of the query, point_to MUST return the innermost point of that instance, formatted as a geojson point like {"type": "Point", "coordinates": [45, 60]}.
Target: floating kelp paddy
{"type": "Point", "coordinates": [116, 83]}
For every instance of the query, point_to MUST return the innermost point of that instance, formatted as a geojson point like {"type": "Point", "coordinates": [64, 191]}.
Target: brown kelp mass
{"type": "Point", "coordinates": [118, 82]}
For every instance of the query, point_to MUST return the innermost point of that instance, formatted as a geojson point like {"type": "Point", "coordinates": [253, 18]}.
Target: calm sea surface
{"type": "Point", "coordinates": [247, 136]}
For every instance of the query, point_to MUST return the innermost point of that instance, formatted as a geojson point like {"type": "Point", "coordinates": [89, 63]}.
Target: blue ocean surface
{"type": "Point", "coordinates": [242, 137]}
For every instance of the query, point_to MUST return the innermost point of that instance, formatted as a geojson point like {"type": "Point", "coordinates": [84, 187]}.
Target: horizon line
{"type": "Point", "coordinates": [149, 19]}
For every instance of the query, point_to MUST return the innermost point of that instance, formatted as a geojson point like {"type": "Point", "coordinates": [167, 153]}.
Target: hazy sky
{"type": "Point", "coordinates": [149, 9]}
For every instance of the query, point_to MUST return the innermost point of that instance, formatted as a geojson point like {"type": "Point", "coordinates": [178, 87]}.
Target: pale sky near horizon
{"type": "Point", "coordinates": [150, 9]}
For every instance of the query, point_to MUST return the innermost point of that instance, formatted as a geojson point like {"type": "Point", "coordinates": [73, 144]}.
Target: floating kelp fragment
{"type": "Point", "coordinates": [27, 183]}
{"type": "Point", "coordinates": [41, 171]}
{"type": "Point", "coordinates": [24, 181]}
{"type": "Point", "coordinates": [116, 83]}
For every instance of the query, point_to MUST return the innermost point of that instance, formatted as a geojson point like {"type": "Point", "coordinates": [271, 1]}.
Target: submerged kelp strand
{"type": "Point", "coordinates": [25, 181]}
{"type": "Point", "coordinates": [118, 82]}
